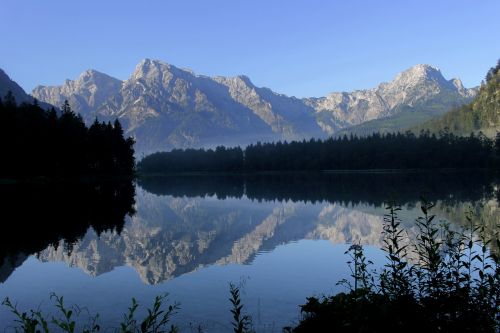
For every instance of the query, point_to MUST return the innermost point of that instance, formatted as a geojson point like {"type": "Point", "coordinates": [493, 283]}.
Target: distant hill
{"type": "Point", "coordinates": [482, 114]}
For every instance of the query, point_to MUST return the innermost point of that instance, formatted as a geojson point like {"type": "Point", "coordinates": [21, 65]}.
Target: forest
{"type": "Point", "coordinates": [57, 143]}
{"type": "Point", "coordinates": [376, 151]}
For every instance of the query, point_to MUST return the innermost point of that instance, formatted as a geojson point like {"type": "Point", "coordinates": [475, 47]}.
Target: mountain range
{"type": "Point", "coordinates": [165, 107]}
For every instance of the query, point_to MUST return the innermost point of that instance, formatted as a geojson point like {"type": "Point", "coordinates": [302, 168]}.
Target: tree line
{"type": "Point", "coordinates": [38, 142]}
{"type": "Point", "coordinates": [376, 151]}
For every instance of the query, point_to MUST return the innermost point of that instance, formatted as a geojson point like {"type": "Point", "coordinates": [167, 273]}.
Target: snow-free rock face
{"type": "Point", "coordinates": [165, 107]}
{"type": "Point", "coordinates": [84, 94]}
{"type": "Point", "coordinates": [288, 116]}
{"type": "Point", "coordinates": [416, 85]}
{"type": "Point", "coordinates": [419, 86]}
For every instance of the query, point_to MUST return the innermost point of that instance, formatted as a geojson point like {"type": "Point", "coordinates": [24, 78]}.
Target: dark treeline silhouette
{"type": "Point", "coordinates": [344, 188]}
{"type": "Point", "coordinates": [221, 159]}
{"type": "Point", "coordinates": [35, 216]}
{"type": "Point", "coordinates": [377, 151]}
{"type": "Point", "coordinates": [35, 142]}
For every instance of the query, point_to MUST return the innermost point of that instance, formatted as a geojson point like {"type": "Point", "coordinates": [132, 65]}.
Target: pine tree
{"type": "Point", "coordinates": [66, 108]}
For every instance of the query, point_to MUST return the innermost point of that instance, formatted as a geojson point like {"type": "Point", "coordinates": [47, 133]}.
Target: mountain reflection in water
{"type": "Point", "coordinates": [183, 223]}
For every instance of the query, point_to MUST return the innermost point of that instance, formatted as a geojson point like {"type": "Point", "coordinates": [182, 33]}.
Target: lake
{"type": "Point", "coordinates": [280, 237]}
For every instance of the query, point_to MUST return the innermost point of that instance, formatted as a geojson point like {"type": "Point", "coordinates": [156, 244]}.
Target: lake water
{"type": "Point", "coordinates": [280, 237]}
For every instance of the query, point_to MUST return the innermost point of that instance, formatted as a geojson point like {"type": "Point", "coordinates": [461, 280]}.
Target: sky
{"type": "Point", "coordinates": [301, 48]}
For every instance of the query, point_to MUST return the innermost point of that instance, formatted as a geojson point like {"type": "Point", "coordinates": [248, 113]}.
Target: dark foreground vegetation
{"type": "Point", "coordinates": [35, 142]}
{"type": "Point", "coordinates": [447, 281]}
{"type": "Point", "coordinates": [377, 151]}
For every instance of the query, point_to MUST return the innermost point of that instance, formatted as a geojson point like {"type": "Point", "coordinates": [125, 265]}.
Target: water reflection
{"type": "Point", "coordinates": [361, 187]}
{"type": "Point", "coordinates": [223, 228]}
{"type": "Point", "coordinates": [35, 216]}
{"type": "Point", "coordinates": [184, 223]}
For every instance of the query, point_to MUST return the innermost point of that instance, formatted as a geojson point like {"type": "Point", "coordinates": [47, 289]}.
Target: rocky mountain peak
{"type": "Point", "coordinates": [419, 74]}
{"type": "Point", "coordinates": [158, 73]}
{"type": "Point", "coordinates": [245, 79]}
{"type": "Point", "coordinates": [411, 88]}
{"type": "Point", "coordinates": [93, 76]}
{"type": "Point", "coordinates": [423, 70]}
{"type": "Point", "coordinates": [149, 69]}
{"type": "Point", "coordinates": [236, 83]}
{"type": "Point", "coordinates": [87, 92]}
{"type": "Point", "coordinates": [468, 93]}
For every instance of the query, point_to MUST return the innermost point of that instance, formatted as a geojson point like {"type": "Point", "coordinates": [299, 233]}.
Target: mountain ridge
{"type": "Point", "coordinates": [380, 109]}
{"type": "Point", "coordinates": [165, 107]}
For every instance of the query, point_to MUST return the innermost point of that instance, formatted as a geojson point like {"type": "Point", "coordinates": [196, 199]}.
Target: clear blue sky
{"type": "Point", "coordinates": [301, 48]}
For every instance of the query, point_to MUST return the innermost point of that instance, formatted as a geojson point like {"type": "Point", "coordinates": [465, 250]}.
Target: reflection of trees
{"type": "Point", "coordinates": [371, 188]}
{"type": "Point", "coordinates": [35, 216]}
{"type": "Point", "coordinates": [485, 213]}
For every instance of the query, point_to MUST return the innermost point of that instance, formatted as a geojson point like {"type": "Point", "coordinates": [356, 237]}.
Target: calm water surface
{"type": "Point", "coordinates": [282, 238]}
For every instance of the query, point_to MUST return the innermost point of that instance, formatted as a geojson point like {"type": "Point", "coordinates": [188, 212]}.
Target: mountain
{"type": "Point", "coordinates": [413, 97]}
{"type": "Point", "coordinates": [482, 114]}
{"type": "Point", "coordinates": [6, 85]}
{"type": "Point", "coordinates": [166, 107]}
{"type": "Point", "coordinates": [84, 94]}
